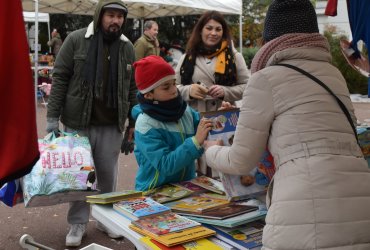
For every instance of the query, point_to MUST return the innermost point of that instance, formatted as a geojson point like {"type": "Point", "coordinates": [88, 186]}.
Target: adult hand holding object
{"type": "Point", "coordinates": [197, 91]}
{"type": "Point", "coordinates": [52, 124]}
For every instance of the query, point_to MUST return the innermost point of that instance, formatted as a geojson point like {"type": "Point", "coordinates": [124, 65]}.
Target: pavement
{"type": "Point", "coordinates": [48, 225]}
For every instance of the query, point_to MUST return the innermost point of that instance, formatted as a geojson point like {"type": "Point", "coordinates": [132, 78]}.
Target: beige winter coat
{"type": "Point", "coordinates": [321, 190]}
{"type": "Point", "coordinates": [204, 73]}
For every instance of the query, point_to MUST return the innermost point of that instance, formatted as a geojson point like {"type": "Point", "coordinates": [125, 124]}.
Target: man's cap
{"type": "Point", "coordinates": [116, 6]}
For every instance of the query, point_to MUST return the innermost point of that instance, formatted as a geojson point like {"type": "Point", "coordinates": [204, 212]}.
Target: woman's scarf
{"type": "Point", "coordinates": [225, 68]}
{"type": "Point", "coordinates": [164, 111]}
{"type": "Point", "coordinates": [93, 70]}
{"type": "Point", "coordinates": [292, 40]}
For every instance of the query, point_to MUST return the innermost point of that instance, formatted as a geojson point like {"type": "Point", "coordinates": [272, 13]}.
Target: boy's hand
{"type": "Point", "coordinates": [204, 126]}
{"type": "Point", "coordinates": [197, 91]}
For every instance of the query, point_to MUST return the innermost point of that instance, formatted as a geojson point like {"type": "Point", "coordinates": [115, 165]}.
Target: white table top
{"type": "Point", "coordinates": [117, 223]}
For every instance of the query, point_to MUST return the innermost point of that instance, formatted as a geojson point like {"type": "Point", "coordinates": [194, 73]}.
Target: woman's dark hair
{"type": "Point", "coordinates": [195, 39]}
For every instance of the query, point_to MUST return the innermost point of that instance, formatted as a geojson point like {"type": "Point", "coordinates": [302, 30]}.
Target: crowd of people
{"type": "Point", "coordinates": [104, 85]}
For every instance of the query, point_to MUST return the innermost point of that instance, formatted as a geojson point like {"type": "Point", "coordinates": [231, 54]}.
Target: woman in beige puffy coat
{"type": "Point", "coordinates": [320, 195]}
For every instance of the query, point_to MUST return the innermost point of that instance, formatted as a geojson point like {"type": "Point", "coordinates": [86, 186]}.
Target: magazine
{"type": "Point", "coordinates": [112, 197]}
{"type": "Point", "coordinates": [239, 187]}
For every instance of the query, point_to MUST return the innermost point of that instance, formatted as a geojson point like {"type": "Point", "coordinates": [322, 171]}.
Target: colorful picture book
{"type": "Point", "coordinates": [201, 244]}
{"type": "Point", "coordinates": [240, 187]}
{"type": "Point", "coordinates": [112, 197]}
{"type": "Point", "coordinates": [243, 237]}
{"type": "Point", "coordinates": [222, 212]}
{"type": "Point", "coordinates": [196, 204]}
{"type": "Point", "coordinates": [140, 207]}
{"type": "Point", "coordinates": [215, 195]}
{"type": "Point", "coordinates": [168, 192]}
{"type": "Point", "coordinates": [209, 184]}
{"type": "Point", "coordinates": [165, 223]}
{"type": "Point", "coordinates": [176, 238]}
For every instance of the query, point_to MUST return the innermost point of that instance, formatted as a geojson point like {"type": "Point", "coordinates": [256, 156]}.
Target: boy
{"type": "Point", "coordinates": [168, 133]}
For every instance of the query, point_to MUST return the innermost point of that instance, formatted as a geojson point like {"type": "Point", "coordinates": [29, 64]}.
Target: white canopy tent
{"type": "Point", "coordinates": [42, 17]}
{"type": "Point", "coordinates": [141, 9]}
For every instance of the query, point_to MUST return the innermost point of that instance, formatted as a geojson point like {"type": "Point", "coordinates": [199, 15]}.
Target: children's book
{"type": "Point", "coordinates": [209, 183]}
{"type": "Point", "coordinates": [233, 221]}
{"type": "Point", "coordinates": [179, 237]}
{"type": "Point", "coordinates": [201, 244]}
{"type": "Point", "coordinates": [239, 187]}
{"type": "Point", "coordinates": [140, 207]}
{"type": "Point", "coordinates": [222, 212]}
{"type": "Point", "coordinates": [168, 192]}
{"type": "Point", "coordinates": [191, 186]}
{"type": "Point", "coordinates": [215, 195]}
{"type": "Point", "coordinates": [243, 237]}
{"type": "Point", "coordinates": [112, 197]}
{"type": "Point", "coordinates": [221, 243]}
{"type": "Point", "coordinates": [197, 204]}
{"type": "Point", "coordinates": [165, 223]}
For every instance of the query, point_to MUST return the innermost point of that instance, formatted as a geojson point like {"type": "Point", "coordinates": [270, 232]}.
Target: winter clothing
{"type": "Point", "coordinates": [165, 151]}
{"type": "Point", "coordinates": [289, 16]}
{"type": "Point", "coordinates": [146, 46]}
{"type": "Point", "coordinates": [71, 99]}
{"type": "Point", "coordinates": [320, 195]}
{"type": "Point", "coordinates": [204, 72]}
{"type": "Point", "coordinates": [152, 71]}
{"type": "Point", "coordinates": [93, 93]}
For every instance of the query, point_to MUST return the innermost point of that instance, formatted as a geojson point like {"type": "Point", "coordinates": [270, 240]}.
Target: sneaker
{"type": "Point", "coordinates": [106, 230]}
{"type": "Point", "coordinates": [75, 235]}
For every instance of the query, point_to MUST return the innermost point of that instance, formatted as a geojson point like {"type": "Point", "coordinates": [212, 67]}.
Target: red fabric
{"type": "Point", "coordinates": [152, 71]}
{"type": "Point", "coordinates": [331, 8]}
{"type": "Point", "coordinates": [18, 140]}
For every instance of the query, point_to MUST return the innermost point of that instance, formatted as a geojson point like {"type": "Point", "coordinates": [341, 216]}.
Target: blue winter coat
{"type": "Point", "coordinates": [165, 151]}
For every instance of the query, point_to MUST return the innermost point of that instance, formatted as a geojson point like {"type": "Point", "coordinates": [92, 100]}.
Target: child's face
{"type": "Point", "coordinates": [164, 92]}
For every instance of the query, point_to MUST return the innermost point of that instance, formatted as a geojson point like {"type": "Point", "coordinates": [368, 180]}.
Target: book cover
{"type": "Point", "coordinates": [215, 195]}
{"type": "Point", "coordinates": [179, 237]}
{"type": "Point", "coordinates": [222, 212]}
{"type": "Point", "coordinates": [209, 184]}
{"type": "Point", "coordinates": [243, 237]}
{"type": "Point", "coordinates": [233, 221]}
{"type": "Point", "coordinates": [196, 204]}
{"type": "Point", "coordinates": [239, 187]}
{"type": "Point", "coordinates": [165, 223]}
{"type": "Point", "coordinates": [168, 192]}
{"type": "Point", "coordinates": [112, 197]}
{"type": "Point", "coordinates": [201, 244]}
{"type": "Point", "coordinates": [221, 243]}
{"type": "Point", "coordinates": [139, 207]}
{"type": "Point", "coordinates": [191, 186]}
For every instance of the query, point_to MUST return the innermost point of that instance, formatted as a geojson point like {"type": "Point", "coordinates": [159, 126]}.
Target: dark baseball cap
{"type": "Point", "coordinates": [115, 6]}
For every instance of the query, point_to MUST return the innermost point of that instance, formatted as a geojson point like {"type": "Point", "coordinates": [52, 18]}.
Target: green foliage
{"type": "Point", "coordinates": [356, 82]}
{"type": "Point", "coordinates": [248, 54]}
{"type": "Point", "coordinates": [68, 179]}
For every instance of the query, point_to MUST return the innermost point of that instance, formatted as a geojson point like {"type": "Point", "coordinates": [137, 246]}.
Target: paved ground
{"type": "Point", "coordinates": [48, 225]}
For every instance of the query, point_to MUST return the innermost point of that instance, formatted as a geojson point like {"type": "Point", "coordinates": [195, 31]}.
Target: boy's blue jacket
{"type": "Point", "coordinates": [165, 151]}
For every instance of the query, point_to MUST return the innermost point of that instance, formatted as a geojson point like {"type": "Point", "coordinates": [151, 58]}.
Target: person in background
{"type": "Point", "coordinates": [55, 43]}
{"type": "Point", "coordinates": [93, 93]}
{"type": "Point", "coordinates": [168, 134]}
{"type": "Point", "coordinates": [148, 43]}
{"type": "Point", "coordinates": [211, 70]}
{"type": "Point", "coordinates": [320, 194]}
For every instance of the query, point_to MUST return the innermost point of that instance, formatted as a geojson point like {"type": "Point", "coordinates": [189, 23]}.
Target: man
{"type": "Point", "coordinates": [93, 93]}
{"type": "Point", "coordinates": [56, 42]}
{"type": "Point", "coordinates": [148, 43]}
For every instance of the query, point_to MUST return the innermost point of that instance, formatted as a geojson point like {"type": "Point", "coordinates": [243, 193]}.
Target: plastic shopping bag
{"type": "Point", "coordinates": [65, 171]}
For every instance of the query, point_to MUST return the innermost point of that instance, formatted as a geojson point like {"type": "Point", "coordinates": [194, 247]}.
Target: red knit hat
{"type": "Point", "coordinates": [152, 71]}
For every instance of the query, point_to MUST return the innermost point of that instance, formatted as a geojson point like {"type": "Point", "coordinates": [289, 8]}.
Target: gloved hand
{"type": "Point", "coordinates": [52, 124]}
{"type": "Point", "coordinates": [128, 143]}
{"type": "Point", "coordinates": [197, 91]}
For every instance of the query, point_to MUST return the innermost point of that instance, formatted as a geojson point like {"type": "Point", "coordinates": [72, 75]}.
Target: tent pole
{"type": "Point", "coordinates": [241, 33]}
{"type": "Point", "coordinates": [36, 59]}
